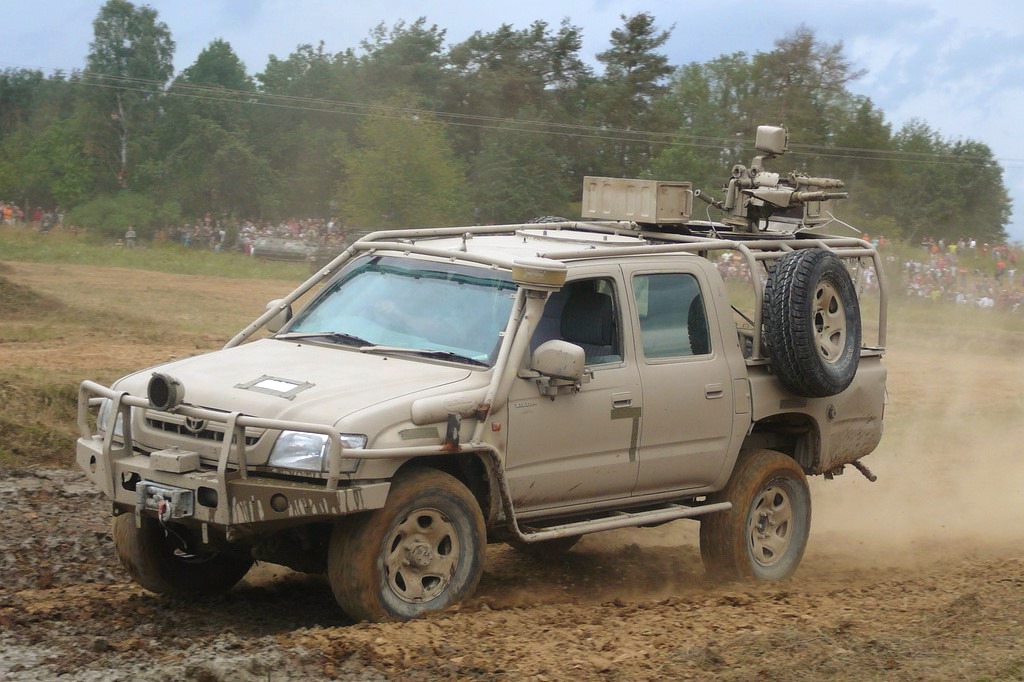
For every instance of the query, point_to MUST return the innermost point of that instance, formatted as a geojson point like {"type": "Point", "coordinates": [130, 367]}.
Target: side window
{"type": "Point", "coordinates": [586, 313]}
{"type": "Point", "coordinates": [673, 321]}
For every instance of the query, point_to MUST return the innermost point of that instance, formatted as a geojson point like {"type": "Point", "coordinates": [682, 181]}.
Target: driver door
{"type": "Point", "coordinates": [578, 447]}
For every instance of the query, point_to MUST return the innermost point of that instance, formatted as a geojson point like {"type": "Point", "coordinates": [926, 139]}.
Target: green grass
{"type": "Point", "coordinates": [38, 423]}
{"type": "Point", "coordinates": [950, 319]}
{"type": "Point", "coordinates": [22, 244]}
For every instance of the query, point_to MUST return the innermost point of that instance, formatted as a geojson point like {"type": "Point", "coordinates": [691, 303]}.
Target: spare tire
{"type": "Point", "coordinates": [548, 219]}
{"type": "Point", "coordinates": [812, 327]}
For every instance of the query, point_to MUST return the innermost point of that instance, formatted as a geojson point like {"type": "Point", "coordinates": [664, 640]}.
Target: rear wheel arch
{"type": "Point", "coordinates": [794, 434]}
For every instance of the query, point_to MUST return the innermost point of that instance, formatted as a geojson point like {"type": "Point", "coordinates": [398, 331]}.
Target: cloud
{"type": "Point", "coordinates": [960, 68]}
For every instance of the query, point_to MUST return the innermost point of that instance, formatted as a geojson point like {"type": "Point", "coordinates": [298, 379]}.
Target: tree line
{"type": "Point", "coordinates": [407, 130]}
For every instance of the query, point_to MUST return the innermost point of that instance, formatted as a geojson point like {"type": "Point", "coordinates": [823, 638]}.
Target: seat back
{"type": "Point", "coordinates": [588, 320]}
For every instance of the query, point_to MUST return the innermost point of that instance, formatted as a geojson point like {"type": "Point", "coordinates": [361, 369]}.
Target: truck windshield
{"type": "Point", "coordinates": [440, 309]}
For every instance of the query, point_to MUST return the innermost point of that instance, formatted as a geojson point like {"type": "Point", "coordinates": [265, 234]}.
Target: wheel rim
{"type": "Point", "coordinates": [770, 525]}
{"type": "Point", "coordinates": [829, 322]}
{"type": "Point", "coordinates": [422, 553]}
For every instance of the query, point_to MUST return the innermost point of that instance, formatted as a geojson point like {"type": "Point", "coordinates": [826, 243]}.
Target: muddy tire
{"type": "Point", "coordinates": [812, 327]}
{"type": "Point", "coordinates": [421, 552]}
{"type": "Point", "coordinates": [546, 549]}
{"type": "Point", "coordinates": [158, 560]}
{"type": "Point", "coordinates": [765, 533]}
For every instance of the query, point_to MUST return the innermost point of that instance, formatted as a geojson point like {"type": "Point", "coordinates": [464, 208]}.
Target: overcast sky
{"type": "Point", "coordinates": [957, 65]}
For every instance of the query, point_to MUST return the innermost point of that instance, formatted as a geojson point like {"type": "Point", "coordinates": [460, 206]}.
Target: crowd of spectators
{"type": "Point", "coordinates": [11, 213]}
{"type": "Point", "coordinates": [965, 272]}
{"type": "Point", "coordinates": [216, 235]}
{"type": "Point", "coordinates": [204, 232]}
{"type": "Point", "coordinates": [44, 220]}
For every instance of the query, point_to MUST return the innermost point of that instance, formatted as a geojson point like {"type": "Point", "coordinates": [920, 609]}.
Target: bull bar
{"type": "Point", "coordinates": [99, 453]}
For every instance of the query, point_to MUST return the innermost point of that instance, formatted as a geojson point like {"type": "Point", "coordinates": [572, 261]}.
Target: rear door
{"type": "Point", "coordinates": [688, 415]}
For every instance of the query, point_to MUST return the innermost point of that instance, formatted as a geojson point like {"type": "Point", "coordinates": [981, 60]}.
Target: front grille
{"type": "Point", "coordinates": [213, 432]}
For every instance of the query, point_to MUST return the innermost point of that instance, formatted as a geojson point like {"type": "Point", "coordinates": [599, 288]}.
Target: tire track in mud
{"type": "Point", "coordinates": [628, 605]}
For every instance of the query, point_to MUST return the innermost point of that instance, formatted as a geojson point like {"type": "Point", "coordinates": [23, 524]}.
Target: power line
{"type": "Point", "coordinates": [482, 121]}
{"type": "Point", "coordinates": [610, 134]}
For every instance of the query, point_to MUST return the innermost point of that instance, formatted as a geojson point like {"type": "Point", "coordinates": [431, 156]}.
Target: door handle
{"type": "Point", "coordinates": [713, 391]}
{"type": "Point", "coordinates": [621, 400]}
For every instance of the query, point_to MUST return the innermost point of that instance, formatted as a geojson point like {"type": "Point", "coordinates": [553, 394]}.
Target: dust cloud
{"type": "Point", "coordinates": [950, 471]}
{"type": "Point", "coordinates": [950, 466]}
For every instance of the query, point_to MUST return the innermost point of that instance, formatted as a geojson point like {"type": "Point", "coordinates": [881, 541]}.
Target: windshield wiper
{"type": "Point", "coordinates": [336, 337]}
{"type": "Point", "coordinates": [427, 353]}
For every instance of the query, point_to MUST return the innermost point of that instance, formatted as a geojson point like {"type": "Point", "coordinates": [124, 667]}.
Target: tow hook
{"type": "Point", "coordinates": [864, 470]}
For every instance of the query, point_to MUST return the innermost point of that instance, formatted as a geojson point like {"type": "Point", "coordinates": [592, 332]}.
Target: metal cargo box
{"type": "Point", "coordinates": [642, 201]}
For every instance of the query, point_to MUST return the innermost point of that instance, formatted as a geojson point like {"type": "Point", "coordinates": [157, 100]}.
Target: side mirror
{"type": "Point", "coordinates": [560, 364]}
{"type": "Point", "coordinates": [559, 360]}
{"type": "Point", "coordinates": [284, 315]}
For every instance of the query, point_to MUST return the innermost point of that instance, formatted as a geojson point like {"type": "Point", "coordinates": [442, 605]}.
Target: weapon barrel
{"type": "Point", "coordinates": [800, 197]}
{"type": "Point", "coordinates": [808, 181]}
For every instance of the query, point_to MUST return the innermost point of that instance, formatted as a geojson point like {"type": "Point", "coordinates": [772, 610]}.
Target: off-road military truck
{"type": "Point", "coordinates": [529, 384]}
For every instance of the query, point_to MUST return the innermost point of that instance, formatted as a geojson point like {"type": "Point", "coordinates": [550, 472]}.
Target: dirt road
{"type": "Point", "coordinates": [917, 576]}
{"type": "Point", "coordinates": [624, 606]}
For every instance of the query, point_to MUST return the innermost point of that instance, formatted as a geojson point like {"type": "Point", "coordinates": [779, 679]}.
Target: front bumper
{"type": "Point", "coordinates": [230, 495]}
{"type": "Point", "coordinates": [226, 501]}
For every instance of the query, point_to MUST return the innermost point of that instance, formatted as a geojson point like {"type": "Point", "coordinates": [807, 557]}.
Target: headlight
{"type": "Point", "coordinates": [104, 416]}
{"type": "Point", "coordinates": [308, 451]}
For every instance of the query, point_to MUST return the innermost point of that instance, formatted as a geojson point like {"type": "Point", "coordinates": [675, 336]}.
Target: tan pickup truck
{"type": "Point", "coordinates": [446, 388]}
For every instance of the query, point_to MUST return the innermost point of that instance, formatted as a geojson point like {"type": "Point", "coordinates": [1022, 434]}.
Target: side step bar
{"type": "Point", "coordinates": [668, 512]}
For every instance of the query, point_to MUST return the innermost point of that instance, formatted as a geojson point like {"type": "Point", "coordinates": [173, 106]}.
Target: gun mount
{"type": "Point", "coordinates": [756, 200]}
{"type": "Point", "coordinates": [754, 196]}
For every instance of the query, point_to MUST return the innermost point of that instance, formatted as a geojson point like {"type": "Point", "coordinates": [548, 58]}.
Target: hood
{"type": "Point", "coordinates": [296, 380]}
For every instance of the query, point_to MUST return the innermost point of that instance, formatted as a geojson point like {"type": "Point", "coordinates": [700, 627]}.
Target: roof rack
{"type": "Point", "coordinates": [422, 241]}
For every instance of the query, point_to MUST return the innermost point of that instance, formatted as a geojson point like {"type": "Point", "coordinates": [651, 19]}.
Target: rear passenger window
{"type": "Point", "coordinates": [673, 321]}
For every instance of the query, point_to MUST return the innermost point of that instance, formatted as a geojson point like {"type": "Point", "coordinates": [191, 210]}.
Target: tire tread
{"type": "Point", "coordinates": [354, 564]}
{"type": "Point", "coordinates": [789, 325]}
{"type": "Point", "coordinates": [723, 545]}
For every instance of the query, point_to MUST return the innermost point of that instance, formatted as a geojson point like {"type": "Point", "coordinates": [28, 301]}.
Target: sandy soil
{"type": "Point", "coordinates": [917, 576]}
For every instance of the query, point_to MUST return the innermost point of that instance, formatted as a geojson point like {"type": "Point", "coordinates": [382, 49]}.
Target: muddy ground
{"type": "Point", "coordinates": [919, 576]}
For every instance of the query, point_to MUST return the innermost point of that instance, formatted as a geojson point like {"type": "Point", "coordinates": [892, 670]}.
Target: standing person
{"type": "Point", "coordinates": [129, 237]}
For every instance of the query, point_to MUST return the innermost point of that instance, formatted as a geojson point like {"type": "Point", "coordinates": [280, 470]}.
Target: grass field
{"type": "Point", "coordinates": [73, 310]}
{"type": "Point", "coordinates": [24, 244]}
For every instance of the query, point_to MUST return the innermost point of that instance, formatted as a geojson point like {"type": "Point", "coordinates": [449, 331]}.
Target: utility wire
{"type": "Point", "coordinates": [482, 121]}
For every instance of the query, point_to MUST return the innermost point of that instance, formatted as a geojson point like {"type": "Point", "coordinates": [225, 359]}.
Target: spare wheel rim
{"type": "Point", "coordinates": [829, 317]}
